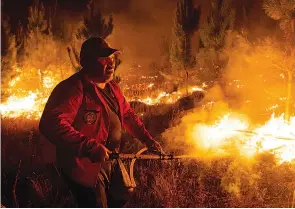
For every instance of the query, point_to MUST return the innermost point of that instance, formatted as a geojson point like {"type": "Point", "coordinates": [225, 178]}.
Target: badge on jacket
{"type": "Point", "coordinates": [90, 117]}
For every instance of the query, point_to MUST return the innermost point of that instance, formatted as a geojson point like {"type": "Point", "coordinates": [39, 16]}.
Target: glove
{"type": "Point", "coordinates": [154, 147]}
{"type": "Point", "coordinates": [96, 151]}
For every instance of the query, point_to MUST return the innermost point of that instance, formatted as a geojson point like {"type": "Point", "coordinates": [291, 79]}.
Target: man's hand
{"type": "Point", "coordinates": [154, 147]}
{"type": "Point", "coordinates": [96, 151]}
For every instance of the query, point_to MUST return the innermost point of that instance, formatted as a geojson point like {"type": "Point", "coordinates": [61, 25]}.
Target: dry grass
{"type": "Point", "coordinates": [222, 182]}
{"type": "Point", "coordinates": [211, 184]}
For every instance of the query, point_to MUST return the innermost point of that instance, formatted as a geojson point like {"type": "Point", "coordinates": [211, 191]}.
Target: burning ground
{"type": "Point", "coordinates": [237, 160]}
{"type": "Point", "coordinates": [236, 128]}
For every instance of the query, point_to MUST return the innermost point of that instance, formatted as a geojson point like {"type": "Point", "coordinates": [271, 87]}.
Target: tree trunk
{"type": "Point", "coordinates": [186, 82]}
{"type": "Point", "coordinates": [290, 78]}
{"type": "Point", "coordinates": [289, 96]}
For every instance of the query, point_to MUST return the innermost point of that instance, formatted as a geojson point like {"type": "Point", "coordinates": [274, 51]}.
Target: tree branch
{"type": "Point", "coordinates": [281, 68]}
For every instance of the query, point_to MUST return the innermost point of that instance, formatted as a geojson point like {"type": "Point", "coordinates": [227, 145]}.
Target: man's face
{"type": "Point", "coordinates": [103, 68]}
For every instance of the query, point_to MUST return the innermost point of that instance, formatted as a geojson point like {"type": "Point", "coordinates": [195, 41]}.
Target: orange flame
{"type": "Point", "coordinates": [276, 136]}
{"type": "Point", "coordinates": [27, 106]}
{"type": "Point", "coordinates": [166, 98]}
{"type": "Point", "coordinates": [32, 104]}
{"type": "Point", "coordinates": [216, 135]}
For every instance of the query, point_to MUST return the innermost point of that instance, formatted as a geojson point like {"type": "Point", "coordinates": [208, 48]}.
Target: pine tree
{"type": "Point", "coordinates": [284, 12]}
{"type": "Point", "coordinates": [214, 39]}
{"type": "Point", "coordinates": [57, 24]}
{"type": "Point", "coordinates": [20, 39]}
{"type": "Point", "coordinates": [245, 23]}
{"type": "Point", "coordinates": [8, 57]}
{"type": "Point", "coordinates": [186, 22]}
{"type": "Point", "coordinates": [37, 28]}
{"type": "Point", "coordinates": [37, 22]}
{"type": "Point", "coordinates": [220, 20]}
{"type": "Point", "coordinates": [45, 56]}
{"type": "Point", "coordinates": [94, 24]}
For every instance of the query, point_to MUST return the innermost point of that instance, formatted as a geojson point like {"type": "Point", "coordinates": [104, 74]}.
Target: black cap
{"type": "Point", "coordinates": [95, 47]}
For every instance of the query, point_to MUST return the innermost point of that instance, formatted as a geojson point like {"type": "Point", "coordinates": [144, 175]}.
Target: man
{"type": "Point", "coordinates": [84, 117]}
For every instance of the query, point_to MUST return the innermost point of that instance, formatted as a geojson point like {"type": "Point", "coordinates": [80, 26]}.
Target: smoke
{"type": "Point", "coordinates": [189, 135]}
{"type": "Point", "coordinates": [143, 29]}
{"type": "Point", "coordinates": [252, 89]}
{"type": "Point", "coordinates": [256, 83]}
{"type": "Point", "coordinates": [140, 28]}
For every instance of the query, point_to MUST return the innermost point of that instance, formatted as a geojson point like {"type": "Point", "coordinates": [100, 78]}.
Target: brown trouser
{"type": "Point", "coordinates": [109, 190]}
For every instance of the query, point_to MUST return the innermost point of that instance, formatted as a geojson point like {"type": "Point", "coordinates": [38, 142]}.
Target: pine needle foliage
{"type": "Point", "coordinates": [8, 57]}
{"type": "Point", "coordinates": [284, 12]}
{"type": "Point", "coordinates": [94, 24]}
{"type": "Point", "coordinates": [186, 22]}
{"type": "Point", "coordinates": [219, 22]}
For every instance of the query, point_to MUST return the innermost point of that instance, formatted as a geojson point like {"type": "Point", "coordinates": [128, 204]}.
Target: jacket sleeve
{"type": "Point", "coordinates": [131, 121]}
{"type": "Point", "coordinates": [59, 114]}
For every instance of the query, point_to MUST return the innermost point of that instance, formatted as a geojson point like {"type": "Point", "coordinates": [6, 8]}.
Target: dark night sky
{"type": "Point", "coordinates": [140, 25]}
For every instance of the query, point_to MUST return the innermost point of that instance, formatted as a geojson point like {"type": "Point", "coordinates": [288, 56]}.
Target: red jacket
{"type": "Point", "coordinates": [76, 112]}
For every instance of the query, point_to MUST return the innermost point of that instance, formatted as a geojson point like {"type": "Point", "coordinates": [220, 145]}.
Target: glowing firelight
{"type": "Point", "coordinates": [12, 82]}
{"type": "Point", "coordinates": [167, 98]}
{"type": "Point", "coordinates": [276, 136]}
{"type": "Point", "coordinates": [150, 85]}
{"type": "Point", "coordinates": [157, 100]}
{"type": "Point", "coordinates": [218, 134]}
{"type": "Point", "coordinates": [48, 82]}
{"type": "Point", "coordinates": [32, 104]}
{"type": "Point", "coordinates": [27, 106]}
